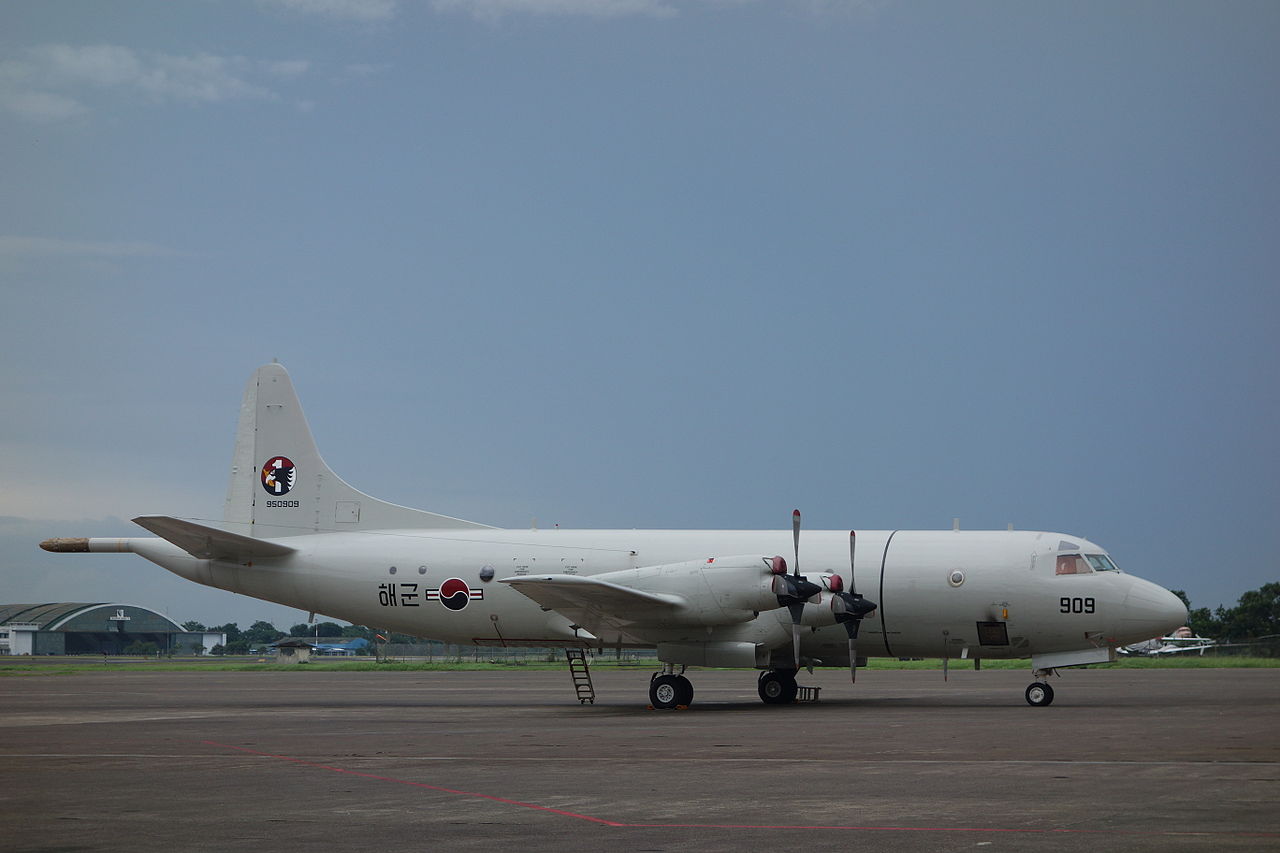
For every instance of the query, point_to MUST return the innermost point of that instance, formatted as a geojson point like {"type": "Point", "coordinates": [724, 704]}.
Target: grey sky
{"type": "Point", "coordinates": [647, 263]}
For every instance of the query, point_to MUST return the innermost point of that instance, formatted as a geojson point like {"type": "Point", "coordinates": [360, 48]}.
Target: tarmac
{"type": "Point", "coordinates": [509, 760]}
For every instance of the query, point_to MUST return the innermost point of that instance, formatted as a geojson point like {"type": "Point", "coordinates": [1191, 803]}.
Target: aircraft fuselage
{"type": "Point", "coordinates": [933, 588]}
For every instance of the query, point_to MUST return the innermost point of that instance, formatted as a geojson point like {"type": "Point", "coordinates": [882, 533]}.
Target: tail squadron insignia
{"type": "Point", "coordinates": [278, 475]}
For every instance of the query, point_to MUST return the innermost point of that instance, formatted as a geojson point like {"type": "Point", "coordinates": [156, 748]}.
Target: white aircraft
{"type": "Point", "coordinates": [296, 534]}
{"type": "Point", "coordinates": [1181, 641]}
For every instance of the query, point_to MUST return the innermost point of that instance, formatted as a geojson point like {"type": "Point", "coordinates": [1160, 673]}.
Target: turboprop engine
{"type": "Point", "coordinates": [714, 591]}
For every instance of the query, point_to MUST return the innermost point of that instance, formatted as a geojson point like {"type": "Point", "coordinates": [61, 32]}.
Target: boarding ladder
{"type": "Point", "coordinates": [581, 675]}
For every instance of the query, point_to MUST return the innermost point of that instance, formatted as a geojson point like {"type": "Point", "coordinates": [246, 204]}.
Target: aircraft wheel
{"type": "Point", "coordinates": [684, 691]}
{"type": "Point", "coordinates": [1039, 694]}
{"type": "Point", "coordinates": [665, 691]}
{"type": "Point", "coordinates": [778, 687]}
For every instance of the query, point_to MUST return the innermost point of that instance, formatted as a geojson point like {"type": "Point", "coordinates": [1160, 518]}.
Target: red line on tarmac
{"type": "Point", "coordinates": [992, 829]}
{"type": "Point", "coordinates": [413, 784]}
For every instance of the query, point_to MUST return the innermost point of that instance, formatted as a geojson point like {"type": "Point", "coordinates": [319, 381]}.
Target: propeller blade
{"type": "Point", "coordinates": [795, 534]}
{"type": "Point", "coordinates": [853, 575]}
{"type": "Point", "coordinates": [851, 627]}
{"type": "Point", "coordinates": [798, 590]}
{"type": "Point", "coordinates": [797, 613]}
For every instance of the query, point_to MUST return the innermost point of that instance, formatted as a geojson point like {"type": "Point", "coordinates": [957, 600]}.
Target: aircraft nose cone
{"type": "Point", "coordinates": [1150, 611]}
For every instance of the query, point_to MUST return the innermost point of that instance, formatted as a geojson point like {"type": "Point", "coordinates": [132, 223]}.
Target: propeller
{"type": "Point", "coordinates": [793, 590]}
{"type": "Point", "coordinates": [849, 607]}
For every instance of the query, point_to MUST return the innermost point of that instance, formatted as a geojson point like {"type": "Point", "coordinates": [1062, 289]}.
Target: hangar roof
{"type": "Point", "coordinates": [54, 616]}
{"type": "Point", "coordinates": [43, 615]}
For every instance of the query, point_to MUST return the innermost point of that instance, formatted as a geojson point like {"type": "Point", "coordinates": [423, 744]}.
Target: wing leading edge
{"type": "Point", "coordinates": [596, 604]}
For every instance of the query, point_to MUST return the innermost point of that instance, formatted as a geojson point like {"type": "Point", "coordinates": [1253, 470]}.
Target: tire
{"type": "Point", "coordinates": [1039, 695]}
{"type": "Point", "coordinates": [778, 687]}
{"type": "Point", "coordinates": [684, 690]}
{"type": "Point", "coordinates": [665, 692]}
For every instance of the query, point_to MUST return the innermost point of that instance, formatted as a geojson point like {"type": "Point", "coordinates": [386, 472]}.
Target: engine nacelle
{"type": "Point", "coordinates": [740, 589]}
{"type": "Point", "coordinates": [714, 591]}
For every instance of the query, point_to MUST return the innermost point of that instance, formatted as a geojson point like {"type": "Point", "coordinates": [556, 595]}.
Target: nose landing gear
{"type": "Point", "coordinates": [1040, 693]}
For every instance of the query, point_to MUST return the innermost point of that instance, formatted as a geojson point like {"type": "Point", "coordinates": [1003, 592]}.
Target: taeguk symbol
{"type": "Point", "coordinates": [278, 475]}
{"type": "Point", "coordinates": [454, 594]}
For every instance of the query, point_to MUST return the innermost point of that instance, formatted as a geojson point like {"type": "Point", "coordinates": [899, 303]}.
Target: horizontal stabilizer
{"type": "Point", "coordinates": [210, 543]}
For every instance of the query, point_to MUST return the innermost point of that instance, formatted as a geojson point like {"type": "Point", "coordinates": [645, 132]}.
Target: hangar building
{"type": "Point", "coordinates": [79, 629]}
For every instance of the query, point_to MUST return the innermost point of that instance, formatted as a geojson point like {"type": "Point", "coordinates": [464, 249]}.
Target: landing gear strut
{"type": "Point", "coordinates": [778, 686]}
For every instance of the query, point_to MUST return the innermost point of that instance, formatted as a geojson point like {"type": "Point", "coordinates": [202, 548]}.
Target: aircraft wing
{"type": "Point", "coordinates": [210, 543]}
{"type": "Point", "coordinates": [596, 604]}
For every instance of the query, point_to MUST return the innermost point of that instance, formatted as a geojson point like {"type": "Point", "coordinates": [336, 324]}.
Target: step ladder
{"type": "Point", "coordinates": [807, 694]}
{"type": "Point", "coordinates": [581, 676]}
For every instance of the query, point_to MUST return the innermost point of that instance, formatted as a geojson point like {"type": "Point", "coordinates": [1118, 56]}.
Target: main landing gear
{"type": "Point", "coordinates": [670, 689]}
{"type": "Point", "coordinates": [1040, 694]}
{"type": "Point", "coordinates": [778, 686]}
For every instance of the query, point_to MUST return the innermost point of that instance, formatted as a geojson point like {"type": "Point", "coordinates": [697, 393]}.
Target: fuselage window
{"type": "Point", "coordinates": [1101, 563]}
{"type": "Point", "coordinates": [1072, 564]}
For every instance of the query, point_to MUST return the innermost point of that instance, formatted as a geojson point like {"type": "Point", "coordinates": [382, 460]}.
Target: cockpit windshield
{"type": "Point", "coordinates": [1072, 564]}
{"type": "Point", "coordinates": [1084, 564]}
{"type": "Point", "coordinates": [1101, 563]}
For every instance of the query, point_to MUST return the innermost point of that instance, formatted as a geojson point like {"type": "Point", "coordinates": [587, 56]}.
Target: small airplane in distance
{"type": "Point", "coordinates": [347, 647]}
{"type": "Point", "coordinates": [294, 533]}
{"type": "Point", "coordinates": [1181, 641]}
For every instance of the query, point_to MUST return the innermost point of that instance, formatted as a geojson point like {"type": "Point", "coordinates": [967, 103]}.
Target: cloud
{"type": "Point", "coordinates": [861, 8]}
{"type": "Point", "coordinates": [360, 11]}
{"type": "Point", "coordinates": [288, 68]}
{"type": "Point", "coordinates": [41, 106]}
{"type": "Point", "coordinates": [376, 11]}
{"type": "Point", "coordinates": [16, 246]}
{"type": "Point", "coordinates": [51, 82]}
{"type": "Point", "coordinates": [366, 69]}
{"type": "Point", "coordinates": [492, 10]}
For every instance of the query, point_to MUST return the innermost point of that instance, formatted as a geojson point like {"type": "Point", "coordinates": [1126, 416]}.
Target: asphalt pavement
{"type": "Point", "coordinates": [508, 760]}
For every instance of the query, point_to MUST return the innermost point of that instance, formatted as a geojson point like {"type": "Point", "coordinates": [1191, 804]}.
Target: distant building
{"type": "Point", "coordinates": [293, 650]}
{"type": "Point", "coordinates": [82, 629]}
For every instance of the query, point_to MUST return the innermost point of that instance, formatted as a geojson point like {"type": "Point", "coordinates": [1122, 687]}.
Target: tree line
{"type": "Point", "coordinates": [261, 634]}
{"type": "Point", "coordinates": [1256, 616]}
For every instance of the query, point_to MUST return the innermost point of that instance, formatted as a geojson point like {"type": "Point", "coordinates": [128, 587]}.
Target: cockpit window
{"type": "Point", "coordinates": [1101, 563]}
{"type": "Point", "coordinates": [1072, 564]}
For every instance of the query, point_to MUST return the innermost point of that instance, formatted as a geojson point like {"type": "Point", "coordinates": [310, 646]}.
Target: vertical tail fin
{"type": "Point", "coordinates": [281, 487]}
